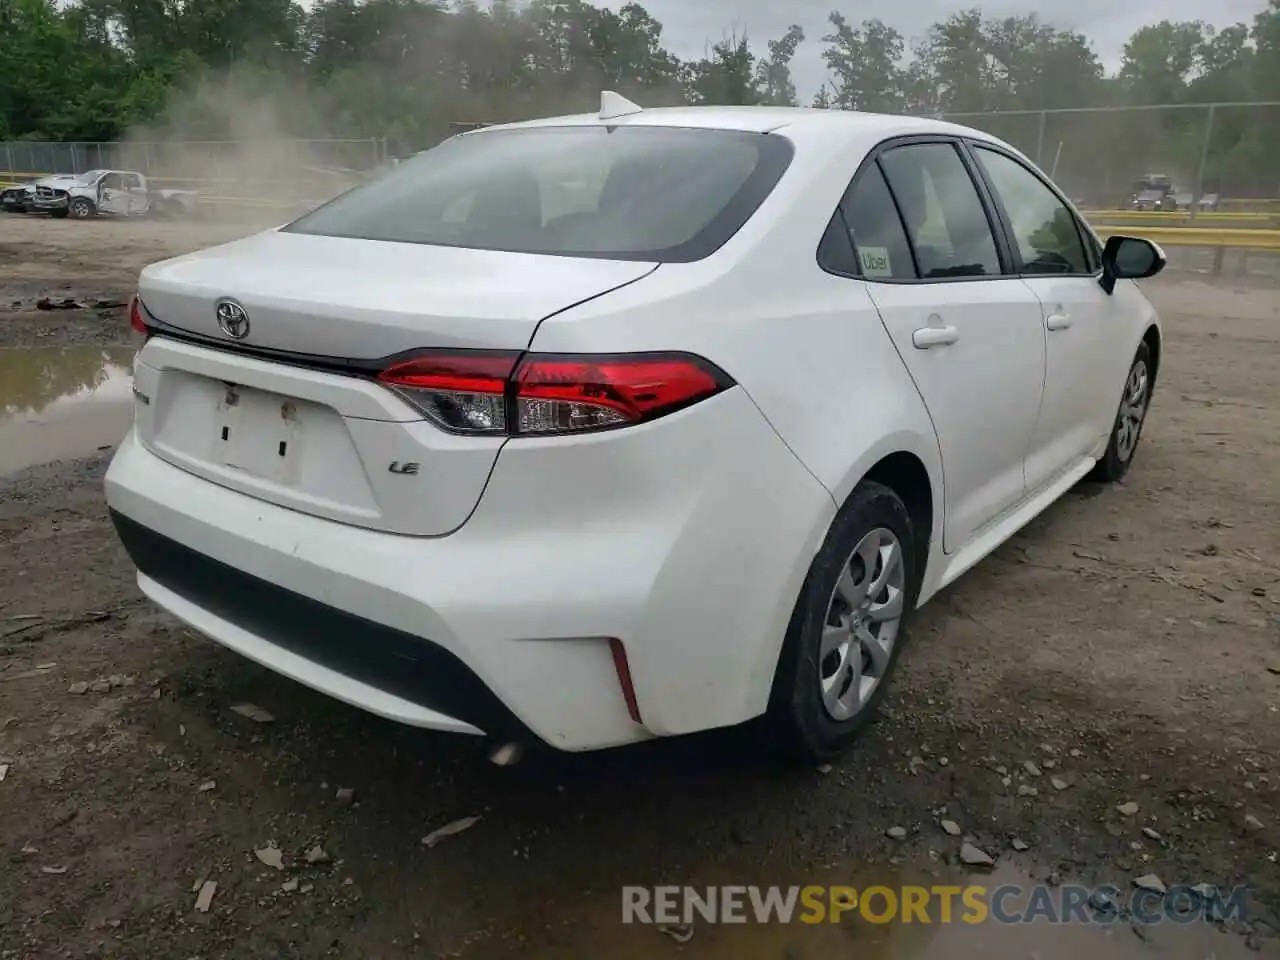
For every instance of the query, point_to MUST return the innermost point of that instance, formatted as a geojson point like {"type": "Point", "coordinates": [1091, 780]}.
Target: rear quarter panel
{"type": "Point", "coordinates": [808, 347]}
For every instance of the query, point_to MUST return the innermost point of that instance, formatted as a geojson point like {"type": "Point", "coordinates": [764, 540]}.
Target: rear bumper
{"type": "Point", "coordinates": [689, 546]}
{"type": "Point", "coordinates": [400, 676]}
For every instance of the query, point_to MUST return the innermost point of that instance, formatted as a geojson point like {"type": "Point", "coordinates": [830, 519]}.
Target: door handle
{"type": "Point", "coordinates": [1057, 320]}
{"type": "Point", "coordinates": [927, 337]}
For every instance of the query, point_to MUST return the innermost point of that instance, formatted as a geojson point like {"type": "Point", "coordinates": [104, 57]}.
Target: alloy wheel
{"type": "Point", "coordinates": [861, 626]}
{"type": "Point", "coordinates": [1133, 407]}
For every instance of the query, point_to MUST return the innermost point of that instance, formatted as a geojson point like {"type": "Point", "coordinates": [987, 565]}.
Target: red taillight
{"type": "Point", "coordinates": [506, 393]}
{"type": "Point", "coordinates": [137, 319]}
{"type": "Point", "coordinates": [559, 394]}
{"type": "Point", "coordinates": [463, 391]}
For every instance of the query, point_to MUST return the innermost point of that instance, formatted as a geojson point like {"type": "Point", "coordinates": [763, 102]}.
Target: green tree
{"type": "Point", "coordinates": [865, 65]}
{"type": "Point", "coordinates": [403, 69]}
{"type": "Point", "coordinates": [726, 76]}
{"type": "Point", "coordinates": [1159, 60]}
{"type": "Point", "coordinates": [773, 73]}
{"type": "Point", "coordinates": [953, 55]}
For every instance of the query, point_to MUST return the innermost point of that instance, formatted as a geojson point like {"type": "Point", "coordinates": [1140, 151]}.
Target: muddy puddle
{"type": "Point", "coordinates": [62, 402]}
{"type": "Point", "coordinates": [1023, 919]}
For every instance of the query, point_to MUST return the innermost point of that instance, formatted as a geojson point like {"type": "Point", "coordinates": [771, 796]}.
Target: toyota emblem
{"type": "Point", "coordinates": [232, 319]}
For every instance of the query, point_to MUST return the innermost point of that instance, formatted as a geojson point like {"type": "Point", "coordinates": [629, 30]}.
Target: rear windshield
{"type": "Point", "coordinates": [668, 194]}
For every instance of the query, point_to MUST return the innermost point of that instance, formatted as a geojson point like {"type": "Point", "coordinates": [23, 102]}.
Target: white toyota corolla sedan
{"type": "Point", "coordinates": [601, 428]}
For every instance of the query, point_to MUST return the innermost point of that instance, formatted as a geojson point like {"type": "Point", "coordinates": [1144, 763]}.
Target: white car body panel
{"type": "Point", "coordinates": [1081, 369]}
{"type": "Point", "coordinates": [335, 420]}
{"type": "Point", "coordinates": [687, 538]}
{"type": "Point", "coordinates": [366, 300]}
{"type": "Point", "coordinates": [683, 496]}
{"type": "Point", "coordinates": [982, 391]}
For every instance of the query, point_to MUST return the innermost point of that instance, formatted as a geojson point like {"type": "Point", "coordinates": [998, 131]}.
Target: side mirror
{"type": "Point", "coordinates": [1130, 258]}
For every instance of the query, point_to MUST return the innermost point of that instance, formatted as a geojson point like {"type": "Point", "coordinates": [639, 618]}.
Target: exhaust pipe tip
{"type": "Point", "coordinates": [507, 754]}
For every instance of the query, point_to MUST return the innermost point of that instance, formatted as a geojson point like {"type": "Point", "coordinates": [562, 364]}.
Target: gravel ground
{"type": "Point", "coordinates": [1126, 645]}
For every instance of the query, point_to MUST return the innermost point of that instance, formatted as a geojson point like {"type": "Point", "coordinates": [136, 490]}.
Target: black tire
{"type": "Point", "coordinates": [799, 724]}
{"type": "Point", "coordinates": [1116, 461]}
{"type": "Point", "coordinates": [60, 214]}
{"type": "Point", "coordinates": [81, 209]}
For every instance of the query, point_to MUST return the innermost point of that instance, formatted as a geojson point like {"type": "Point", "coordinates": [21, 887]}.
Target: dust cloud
{"type": "Point", "coordinates": [231, 136]}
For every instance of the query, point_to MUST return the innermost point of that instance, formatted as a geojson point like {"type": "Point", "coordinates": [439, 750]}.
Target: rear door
{"type": "Point", "coordinates": [112, 197]}
{"type": "Point", "coordinates": [135, 188]}
{"type": "Point", "coordinates": [969, 332]}
{"type": "Point", "coordinates": [1087, 348]}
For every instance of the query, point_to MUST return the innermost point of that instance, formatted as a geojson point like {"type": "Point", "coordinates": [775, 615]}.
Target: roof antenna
{"type": "Point", "coordinates": [613, 105]}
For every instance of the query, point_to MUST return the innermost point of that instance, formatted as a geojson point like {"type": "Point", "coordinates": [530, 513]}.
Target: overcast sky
{"type": "Point", "coordinates": [690, 25]}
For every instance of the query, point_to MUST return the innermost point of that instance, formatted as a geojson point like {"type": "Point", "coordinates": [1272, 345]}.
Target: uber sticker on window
{"type": "Point", "coordinates": [875, 261]}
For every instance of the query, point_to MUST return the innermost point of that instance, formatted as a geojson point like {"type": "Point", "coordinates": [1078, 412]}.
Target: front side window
{"type": "Point", "coordinates": [629, 193]}
{"type": "Point", "coordinates": [1044, 228]}
{"type": "Point", "coordinates": [944, 216]}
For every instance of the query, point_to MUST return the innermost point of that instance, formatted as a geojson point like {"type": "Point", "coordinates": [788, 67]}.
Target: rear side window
{"type": "Point", "coordinates": [945, 218]}
{"type": "Point", "coordinates": [629, 193]}
{"type": "Point", "coordinates": [879, 239]}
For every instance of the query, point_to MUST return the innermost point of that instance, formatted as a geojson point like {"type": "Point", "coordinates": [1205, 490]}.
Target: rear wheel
{"type": "Point", "coordinates": [1134, 401]}
{"type": "Point", "coordinates": [846, 632]}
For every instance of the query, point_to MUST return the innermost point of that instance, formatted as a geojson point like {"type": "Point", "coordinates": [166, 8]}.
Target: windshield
{"type": "Point", "coordinates": [629, 193]}
{"type": "Point", "coordinates": [88, 177]}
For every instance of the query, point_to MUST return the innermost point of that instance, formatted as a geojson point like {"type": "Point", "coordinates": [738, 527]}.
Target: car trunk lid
{"type": "Point", "coordinates": [363, 299]}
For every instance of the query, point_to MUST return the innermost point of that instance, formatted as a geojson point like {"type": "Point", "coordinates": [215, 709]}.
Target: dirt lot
{"type": "Point", "coordinates": [1127, 644]}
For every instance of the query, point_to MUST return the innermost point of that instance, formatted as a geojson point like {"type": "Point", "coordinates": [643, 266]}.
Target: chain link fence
{"type": "Point", "coordinates": [289, 171]}
{"type": "Point", "coordinates": [1226, 153]}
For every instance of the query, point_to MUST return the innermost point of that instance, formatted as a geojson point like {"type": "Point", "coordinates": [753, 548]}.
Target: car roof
{"type": "Point", "coordinates": [797, 120]}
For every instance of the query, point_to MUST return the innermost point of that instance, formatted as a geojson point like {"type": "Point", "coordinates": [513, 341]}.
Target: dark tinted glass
{"type": "Point", "coordinates": [637, 193]}
{"type": "Point", "coordinates": [1044, 229]}
{"type": "Point", "coordinates": [877, 231]}
{"type": "Point", "coordinates": [944, 216]}
{"type": "Point", "coordinates": [835, 252]}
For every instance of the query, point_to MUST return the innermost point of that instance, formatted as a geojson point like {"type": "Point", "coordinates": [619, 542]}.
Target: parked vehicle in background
{"type": "Point", "coordinates": [121, 193]}
{"type": "Point", "coordinates": [601, 428]}
{"type": "Point", "coordinates": [1154, 191]}
{"type": "Point", "coordinates": [16, 197]}
{"type": "Point", "coordinates": [20, 197]}
{"type": "Point", "coordinates": [1157, 192]}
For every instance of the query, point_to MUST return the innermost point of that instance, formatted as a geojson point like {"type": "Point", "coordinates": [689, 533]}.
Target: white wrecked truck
{"type": "Point", "coordinates": [122, 193]}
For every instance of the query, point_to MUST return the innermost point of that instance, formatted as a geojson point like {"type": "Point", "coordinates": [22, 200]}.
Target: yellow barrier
{"type": "Point", "coordinates": [1246, 201]}
{"type": "Point", "coordinates": [1179, 216]}
{"type": "Point", "coordinates": [1198, 236]}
